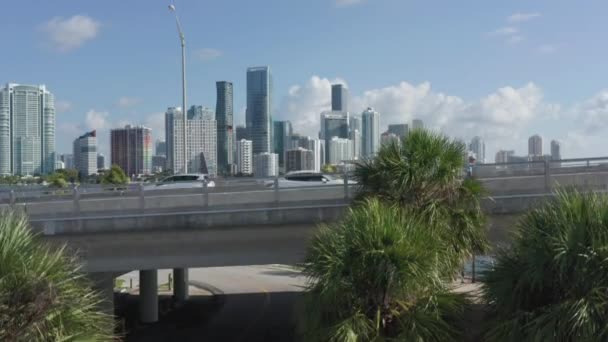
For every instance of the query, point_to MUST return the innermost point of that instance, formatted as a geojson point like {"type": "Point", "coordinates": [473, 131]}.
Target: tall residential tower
{"type": "Point", "coordinates": [258, 116]}
{"type": "Point", "coordinates": [370, 135]}
{"type": "Point", "coordinates": [225, 134]}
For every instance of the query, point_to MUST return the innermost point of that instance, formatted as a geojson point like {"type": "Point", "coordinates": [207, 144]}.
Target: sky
{"type": "Point", "coordinates": [503, 70]}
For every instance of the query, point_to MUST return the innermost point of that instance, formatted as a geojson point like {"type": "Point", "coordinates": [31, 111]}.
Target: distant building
{"type": "Point", "coordinates": [400, 130]}
{"type": "Point", "coordinates": [59, 165]}
{"type": "Point", "coordinates": [299, 160]}
{"type": "Point", "coordinates": [340, 150]}
{"type": "Point", "coordinates": [535, 145]}
{"type": "Point", "coordinates": [266, 165]}
{"type": "Point", "coordinates": [132, 149]}
{"type": "Point", "coordinates": [225, 129]}
{"type": "Point", "coordinates": [68, 161]}
{"type": "Point", "coordinates": [281, 133]}
{"type": "Point", "coordinates": [159, 163]}
{"type": "Point", "coordinates": [478, 146]}
{"type": "Point", "coordinates": [355, 137]}
{"type": "Point", "coordinates": [417, 124]}
{"type": "Point", "coordinates": [370, 135]}
{"type": "Point", "coordinates": [201, 113]}
{"type": "Point", "coordinates": [160, 148]}
{"type": "Point", "coordinates": [502, 156]}
{"type": "Point", "coordinates": [333, 124]}
{"type": "Point", "coordinates": [85, 154]}
{"type": "Point", "coordinates": [339, 98]}
{"type": "Point", "coordinates": [101, 161]}
{"type": "Point", "coordinates": [241, 133]}
{"type": "Point", "coordinates": [244, 157]}
{"type": "Point", "coordinates": [258, 115]}
{"type": "Point", "coordinates": [27, 130]}
{"type": "Point", "coordinates": [555, 150]}
{"type": "Point", "coordinates": [389, 138]}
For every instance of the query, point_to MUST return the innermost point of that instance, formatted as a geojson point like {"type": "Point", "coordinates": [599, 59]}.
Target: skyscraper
{"type": "Point", "coordinates": [535, 146]}
{"type": "Point", "coordinates": [339, 150]}
{"type": "Point", "coordinates": [417, 124]}
{"type": "Point", "coordinates": [478, 146]}
{"type": "Point", "coordinates": [241, 133]}
{"type": "Point", "coordinates": [354, 122]}
{"type": "Point", "coordinates": [299, 159]}
{"type": "Point", "coordinates": [132, 149]}
{"type": "Point", "coordinates": [244, 158]}
{"type": "Point", "coordinates": [160, 148]}
{"type": "Point", "coordinates": [555, 150]}
{"type": "Point", "coordinates": [202, 146]}
{"type": "Point", "coordinates": [101, 161]}
{"type": "Point", "coordinates": [258, 116]}
{"type": "Point", "coordinates": [502, 156]}
{"type": "Point", "coordinates": [399, 130]}
{"type": "Point", "coordinates": [281, 132]}
{"type": "Point", "coordinates": [370, 135]}
{"type": "Point", "coordinates": [200, 113]}
{"type": "Point", "coordinates": [174, 119]}
{"type": "Point", "coordinates": [389, 138]}
{"type": "Point", "coordinates": [266, 165]}
{"type": "Point", "coordinates": [225, 134]}
{"type": "Point", "coordinates": [85, 154]}
{"type": "Point", "coordinates": [333, 124]}
{"type": "Point", "coordinates": [339, 98]}
{"type": "Point", "coordinates": [27, 130]}
{"type": "Point", "coordinates": [355, 137]}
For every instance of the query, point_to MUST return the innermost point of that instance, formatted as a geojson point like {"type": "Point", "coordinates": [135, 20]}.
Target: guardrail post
{"type": "Point", "coordinates": [345, 175]}
{"type": "Point", "coordinates": [206, 194]}
{"type": "Point", "coordinates": [547, 176]}
{"type": "Point", "coordinates": [276, 189]}
{"type": "Point", "coordinates": [76, 197]}
{"type": "Point", "coordinates": [12, 198]}
{"type": "Point", "coordinates": [142, 197]}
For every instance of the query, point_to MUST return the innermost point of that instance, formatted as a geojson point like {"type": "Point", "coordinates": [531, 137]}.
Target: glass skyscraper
{"type": "Point", "coordinates": [333, 124]}
{"type": "Point", "coordinates": [339, 98]}
{"type": "Point", "coordinates": [259, 109]}
{"type": "Point", "coordinates": [370, 135]}
{"type": "Point", "coordinates": [281, 132]}
{"type": "Point", "coordinates": [27, 130]}
{"type": "Point", "coordinates": [225, 134]}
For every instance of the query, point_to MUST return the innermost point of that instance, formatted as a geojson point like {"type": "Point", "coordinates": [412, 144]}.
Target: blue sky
{"type": "Point", "coordinates": [500, 69]}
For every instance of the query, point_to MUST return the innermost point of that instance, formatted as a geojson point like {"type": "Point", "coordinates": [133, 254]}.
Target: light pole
{"type": "Point", "coordinates": [184, 130]}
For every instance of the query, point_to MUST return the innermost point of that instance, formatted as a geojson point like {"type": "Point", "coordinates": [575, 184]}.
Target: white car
{"type": "Point", "coordinates": [187, 181]}
{"type": "Point", "coordinates": [301, 179]}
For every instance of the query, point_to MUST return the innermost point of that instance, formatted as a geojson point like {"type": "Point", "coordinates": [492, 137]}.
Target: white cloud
{"type": "Point", "coordinates": [67, 34]}
{"type": "Point", "coordinates": [593, 113]}
{"type": "Point", "coordinates": [346, 3]}
{"type": "Point", "coordinates": [127, 102]}
{"type": "Point", "coordinates": [97, 120]}
{"type": "Point", "coordinates": [504, 31]}
{"type": "Point", "coordinates": [208, 54]}
{"type": "Point", "coordinates": [63, 106]}
{"type": "Point", "coordinates": [547, 48]}
{"type": "Point", "coordinates": [522, 17]}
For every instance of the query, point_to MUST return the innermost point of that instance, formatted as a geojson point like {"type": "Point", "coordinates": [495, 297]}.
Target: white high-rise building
{"type": "Point", "coordinates": [266, 165]}
{"type": "Point", "coordinates": [27, 130]}
{"type": "Point", "coordinates": [340, 150]}
{"type": "Point", "coordinates": [244, 157]}
{"type": "Point", "coordinates": [333, 124]}
{"type": "Point", "coordinates": [478, 146]}
{"type": "Point", "coordinates": [390, 138]}
{"type": "Point", "coordinates": [555, 150]}
{"type": "Point", "coordinates": [355, 137]}
{"type": "Point", "coordinates": [85, 154]}
{"type": "Point", "coordinates": [535, 146]}
{"type": "Point", "coordinates": [201, 140]}
{"type": "Point", "coordinates": [299, 159]}
{"type": "Point", "coordinates": [370, 132]}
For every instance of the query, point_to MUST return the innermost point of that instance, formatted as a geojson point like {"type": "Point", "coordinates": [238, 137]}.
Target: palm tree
{"type": "Point", "coordinates": [43, 296]}
{"type": "Point", "coordinates": [425, 172]}
{"type": "Point", "coordinates": [373, 276]}
{"type": "Point", "coordinates": [552, 284]}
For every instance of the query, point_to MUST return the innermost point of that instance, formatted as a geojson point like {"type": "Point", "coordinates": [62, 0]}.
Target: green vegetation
{"type": "Point", "coordinates": [551, 285]}
{"type": "Point", "coordinates": [43, 296]}
{"type": "Point", "coordinates": [114, 176]}
{"type": "Point", "coordinates": [328, 168]}
{"type": "Point", "coordinates": [374, 277]}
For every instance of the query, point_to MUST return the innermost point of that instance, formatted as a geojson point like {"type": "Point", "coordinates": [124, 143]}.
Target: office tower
{"type": "Point", "coordinates": [202, 146]}
{"type": "Point", "coordinates": [101, 161]}
{"type": "Point", "coordinates": [160, 148]}
{"type": "Point", "coordinates": [174, 143]}
{"type": "Point", "coordinates": [399, 130]}
{"type": "Point", "coordinates": [258, 115]}
{"type": "Point", "coordinates": [535, 146]}
{"type": "Point", "coordinates": [339, 98]}
{"type": "Point", "coordinates": [555, 150]}
{"type": "Point", "coordinates": [478, 146]}
{"type": "Point", "coordinates": [132, 149]}
{"type": "Point", "coordinates": [281, 132]}
{"type": "Point", "coordinates": [502, 156]}
{"type": "Point", "coordinates": [159, 163]}
{"type": "Point", "coordinates": [241, 133]}
{"type": "Point", "coordinates": [315, 145]}
{"type": "Point", "coordinates": [68, 160]}
{"type": "Point", "coordinates": [85, 154]}
{"type": "Point", "coordinates": [244, 157]}
{"type": "Point", "coordinates": [299, 159]}
{"type": "Point", "coordinates": [333, 124]}
{"type": "Point", "coordinates": [266, 165]}
{"type": "Point", "coordinates": [59, 165]}
{"type": "Point", "coordinates": [340, 150]}
{"type": "Point", "coordinates": [370, 134]}
{"type": "Point", "coordinates": [27, 130]}
{"type": "Point", "coordinates": [355, 137]}
{"type": "Point", "coordinates": [354, 123]}
{"type": "Point", "coordinates": [389, 138]}
{"type": "Point", "coordinates": [225, 131]}
{"type": "Point", "coordinates": [200, 113]}
{"type": "Point", "coordinates": [417, 124]}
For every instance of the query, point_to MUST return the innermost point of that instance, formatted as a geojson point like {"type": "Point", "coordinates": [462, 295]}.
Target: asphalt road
{"type": "Point", "coordinates": [252, 303]}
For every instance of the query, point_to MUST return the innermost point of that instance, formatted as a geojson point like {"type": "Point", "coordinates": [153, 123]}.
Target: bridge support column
{"type": "Point", "coordinates": [148, 296]}
{"type": "Point", "coordinates": [180, 284]}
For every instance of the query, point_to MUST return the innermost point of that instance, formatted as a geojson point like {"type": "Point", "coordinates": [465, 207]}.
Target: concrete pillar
{"type": "Point", "coordinates": [180, 284]}
{"type": "Point", "coordinates": [148, 296]}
